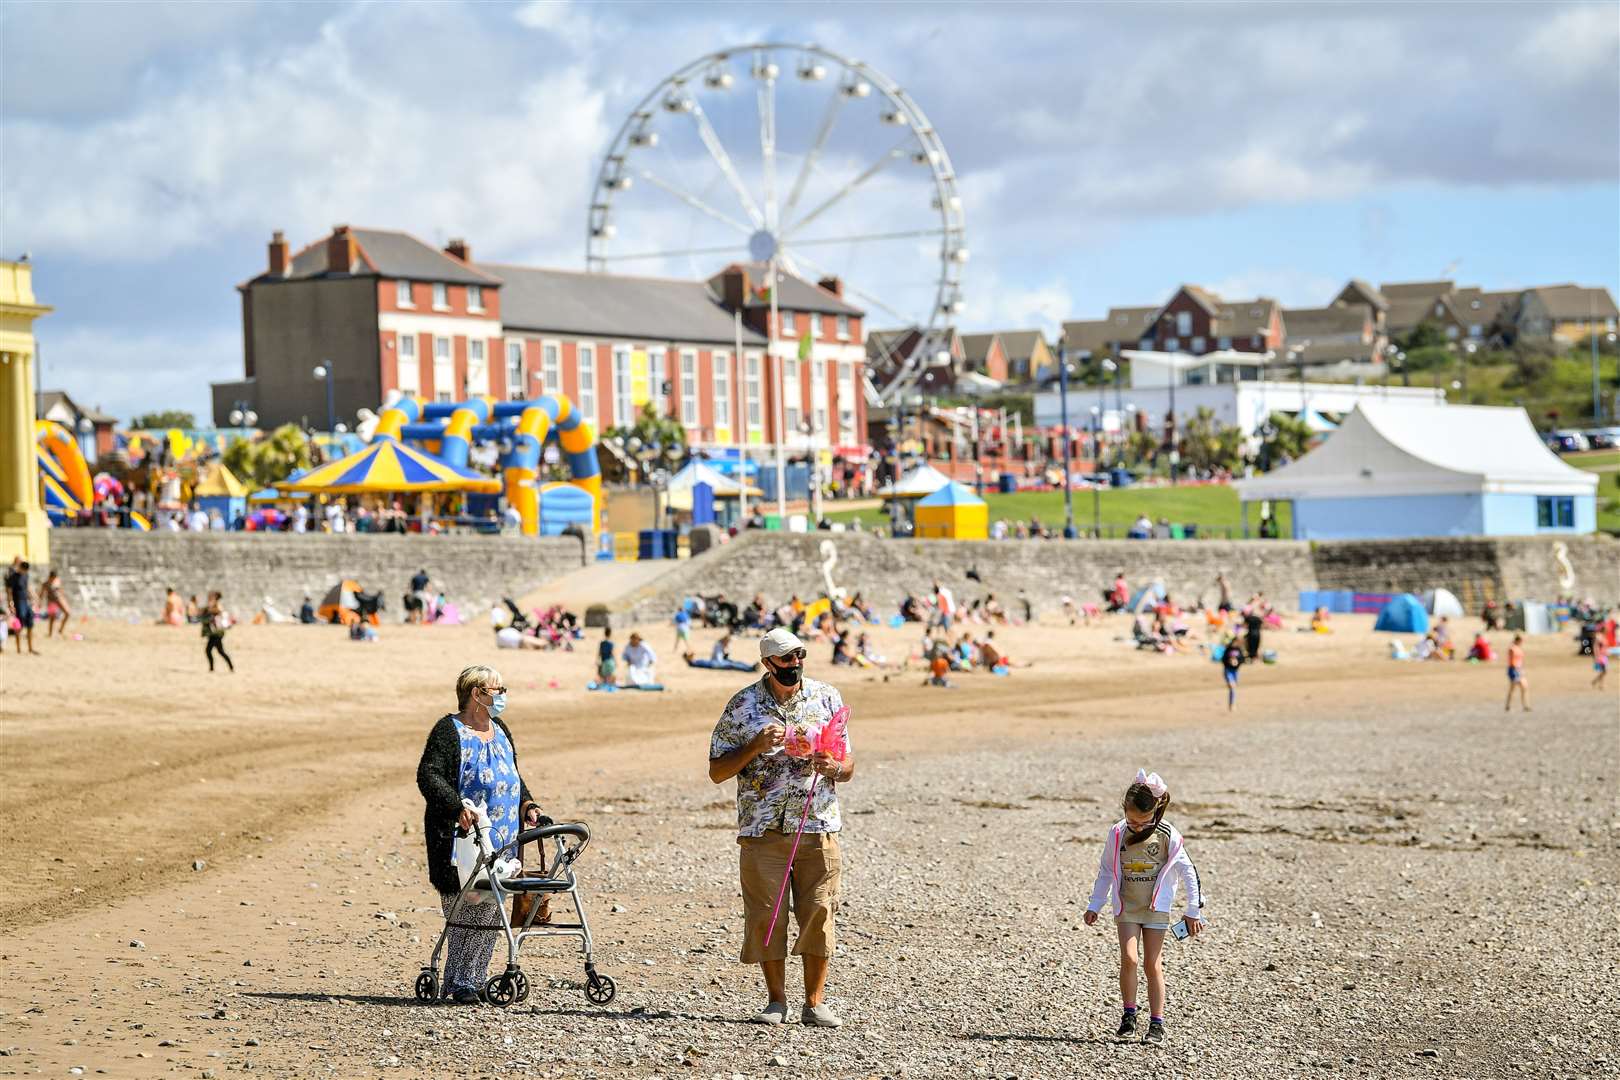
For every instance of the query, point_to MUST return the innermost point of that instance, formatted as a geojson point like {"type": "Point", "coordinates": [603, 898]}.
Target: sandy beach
{"type": "Point", "coordinates": [224, 873]}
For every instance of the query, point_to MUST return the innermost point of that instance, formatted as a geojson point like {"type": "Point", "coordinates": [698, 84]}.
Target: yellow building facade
{"type": "Point", "coordinates": [24, 529]}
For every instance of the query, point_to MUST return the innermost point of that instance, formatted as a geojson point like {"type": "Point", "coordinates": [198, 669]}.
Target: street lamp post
{"type": "Point", "coordinates": [241, 415]}
{"type": "Point", "coordinates": [1591, 337]}
{"type": "Point", "coordinates": [324, 371]}
{"type": "Point", "coordinates": [1096, 460]}
{"type": "Point", "coordinates": [1063, 397]}
{"type": "Point", "coordinates": [1170, 423]}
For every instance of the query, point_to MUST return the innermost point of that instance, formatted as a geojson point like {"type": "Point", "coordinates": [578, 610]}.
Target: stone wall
{"type": "Point", "coordinates": [777, 564]}
{"type": "Point", "coordinates": [122, 573]}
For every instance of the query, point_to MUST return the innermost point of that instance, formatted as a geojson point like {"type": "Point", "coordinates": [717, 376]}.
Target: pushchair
{"type": "Point", "coordinates": [520, 621]}
{"type": "Point", "coordinates": [511, 986]}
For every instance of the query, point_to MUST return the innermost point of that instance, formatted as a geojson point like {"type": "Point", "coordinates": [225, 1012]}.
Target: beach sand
{"type": "Point", "coordinates": [1401, 878]}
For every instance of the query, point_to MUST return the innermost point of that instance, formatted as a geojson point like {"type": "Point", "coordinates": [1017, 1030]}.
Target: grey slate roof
{"type": "Point", "coordinates": [614, 306]}
{"type": "Point", "coordinates": [1129, 323]}
{"type": "Point", "coordinates": [1020, 344]}
{"type": "Point", "coordinates": [1088, 336]}
{"type": "Point", "coordinates": [1337, 319]}
{"type": "Point", "coordinates": [390, 254]}
{"type": "Point", "coordinates": [1244, 318]}
{"type": "Point", "coordinates": [976, 348]}
{"type": "Point", "coordinates": [795, 293]}
{"type": "Point", "coordinates": [1416, 290]}
{"type": "Point", "coordinates": [1356, 287]}
{"type": "Point", "coordinates": [50, 399]}
{"type": "Point", "coordinates": [1576, 302]}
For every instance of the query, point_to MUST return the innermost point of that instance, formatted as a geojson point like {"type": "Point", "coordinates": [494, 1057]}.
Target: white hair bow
{"type": "Point", "coordinates": [1152, 782]}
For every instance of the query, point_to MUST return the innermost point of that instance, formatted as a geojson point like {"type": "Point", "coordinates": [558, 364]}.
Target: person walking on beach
{"type": "Point", "coordinates": [53, 599]}
{"type": "Point", "coordinates": [1142, 859]}
{"type": "Point", "coordinates": [470, 757]}
{"type": "Point", "coordinates": [19, 605]}
{"type": "Point", "coordinates": [1231, 660]}
{"type": "Point", "coordinates": [773, 795]}
{"type": "Point", "coordinates": [215, 621]}
{"type": "Point", "coordinates": [1515, 674]}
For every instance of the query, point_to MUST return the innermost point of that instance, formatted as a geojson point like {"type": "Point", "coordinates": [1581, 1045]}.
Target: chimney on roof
{"type": "Point", "coordinates": [279, 261]}
{"type": "Point", "coordinates": [833, 285]}
{"type": "Point", "coordinates": [734, 287]}
{"type": "Point", "coordinates": [458, 249]}
{"type": "Point", "coordinates": [340, 250]}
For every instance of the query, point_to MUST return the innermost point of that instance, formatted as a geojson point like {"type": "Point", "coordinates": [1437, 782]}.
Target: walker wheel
{"type": "Point", "coordinates": [501, 990]}
{"type": "Point", "coordinates": [599, 989]}
{"type": "Point", "coordinates": [427, 985]}
{"type": "Point", "coordinates": [522, 987]}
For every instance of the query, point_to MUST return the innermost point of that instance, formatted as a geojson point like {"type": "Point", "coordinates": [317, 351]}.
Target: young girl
{"type": "Point", "coordinates": [1138, 858]}
{"type": "Point", "coordinates": [1231, 660]}
{"type": "Point", "coordinates": [1515, 673]}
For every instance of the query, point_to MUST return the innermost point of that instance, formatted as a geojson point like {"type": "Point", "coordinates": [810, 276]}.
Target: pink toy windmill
{"type": "Point", "coordinates": [832, 738]}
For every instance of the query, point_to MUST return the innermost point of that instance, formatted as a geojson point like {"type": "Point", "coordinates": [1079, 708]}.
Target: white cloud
{"type": "Point", "coordinates": [1287, 285]}
{"type": "Point", "coordinates": [129, 373]}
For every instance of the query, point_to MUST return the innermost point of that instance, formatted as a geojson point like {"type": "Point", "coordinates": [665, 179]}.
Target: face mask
{"type": "Point", "coordinates": [788, 676]}
{"type": "Point", "coordinates": [497, 705]}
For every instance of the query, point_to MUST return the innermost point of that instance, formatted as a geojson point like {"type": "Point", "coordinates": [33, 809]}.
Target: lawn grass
{"type": "Point", "coordinates": [1210, 506]}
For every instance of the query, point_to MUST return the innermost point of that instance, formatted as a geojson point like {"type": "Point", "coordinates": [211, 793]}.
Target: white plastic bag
{"type": "Point", "coordinates": [468, 849]}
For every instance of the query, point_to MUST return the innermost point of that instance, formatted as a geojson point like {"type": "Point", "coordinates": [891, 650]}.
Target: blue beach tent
{"type": "Point", "coordinates": [1403, 615]}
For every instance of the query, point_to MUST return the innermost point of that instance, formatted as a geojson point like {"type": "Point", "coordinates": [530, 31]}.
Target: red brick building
{"type": "Point", "coordinates": [390, 313]}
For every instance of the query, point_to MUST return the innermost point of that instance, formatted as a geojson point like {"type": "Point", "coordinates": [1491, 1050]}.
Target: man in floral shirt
{"type": "Point", "coordinates": [771, 791]}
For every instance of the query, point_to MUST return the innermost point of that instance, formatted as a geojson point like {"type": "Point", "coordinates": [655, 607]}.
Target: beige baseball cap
{"type": "Point", "coordinates": [779, 642]}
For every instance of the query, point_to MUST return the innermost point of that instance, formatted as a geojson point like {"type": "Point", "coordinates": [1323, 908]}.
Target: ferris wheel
{"type": "Point", "coordinates": [833, 171]}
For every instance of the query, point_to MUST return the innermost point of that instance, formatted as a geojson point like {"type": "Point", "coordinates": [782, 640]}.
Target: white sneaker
{"type": "Point", "coordinates": [775, 1013]}
{"type": "Point", "coordinates": [819, 1016]}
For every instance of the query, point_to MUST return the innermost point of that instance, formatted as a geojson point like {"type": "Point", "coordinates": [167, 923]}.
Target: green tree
{"type": "Point", "coordinates": [652, 429]}
{"type": "Point", "coordinates": [1424, 335]}
{"type": "Point", "coordinates": [1207, 444]}
{"type": "Point", "coordinates": [263, 461]}
{"type": "Point", "coordinates": [1290, 439]}
{"type": "Point", "coordinates": [168, 418]}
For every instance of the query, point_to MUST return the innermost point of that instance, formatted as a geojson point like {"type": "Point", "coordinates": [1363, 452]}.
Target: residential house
{"type": "Point", "coordinates": [393, 315]}
{"type": "Point", "coordinates": [1084, 341]}
{"type": "Point", "coordinates": [1129, 327]}
{"type": "Point", "coordinates": [984, 355]}
{"type": "Point", "coordinates": [1028, 354]}
{"type": "Point", "coordinates": [1197, 321]}
{"type": "Point", "coordinates": [90, 427]}
{"type": "Point", "coordinates": [1562, 313]}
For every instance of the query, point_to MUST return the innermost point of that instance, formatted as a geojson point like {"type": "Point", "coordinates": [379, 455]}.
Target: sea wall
{"type": "Point", "coordinates": [123, 573]}
{"type": "Point", "coordinates": [885, 570]}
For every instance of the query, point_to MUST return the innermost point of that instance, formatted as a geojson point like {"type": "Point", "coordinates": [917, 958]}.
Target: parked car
{"type": "Point", "coordinates": [1603, 438]}
{"type": "Point", "coordinates": [1566, 442]}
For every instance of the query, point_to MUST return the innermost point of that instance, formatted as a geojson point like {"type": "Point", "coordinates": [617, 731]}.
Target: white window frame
{"type": "Point", "coordinates": [475, 298]}
{"type": "Point", "coordinates": [846, 399]}
{"type": "Point", "coordinates": [819, 410]}
{"type": "Point", "coordinates": [405, 351]}
{"type": "Point", "coordinates": [720, 365]}
{"type": "Point", "coordinates": [657, 369]}
{"type": "Point", "coordinates": [843, 328]}
{"type": "Point", "coordinates": [585, 358]}
{"type": "Point", "coordinates": [689, 388]}
{"type": "Point", "coordinates": [792, 398]}
{"type": "Point", "coordinates": [441, 296]}
{"type": "Point", "coordinates": [477, 376]}
{"type": "Point", "coordinates": [551, 381]}
{"type": "Point", "coordinates": [444, 350]}
{"type": "Point", "coordinates": [754, 410]}
{"type": "Point", "coordinates": [517, 381]}
{"type": "Point", "coordinates": [624, 409]}
{"type": "Point", "coordinates": [1183, 324]}
{"type": "Point", "coordinates": [402, 294]}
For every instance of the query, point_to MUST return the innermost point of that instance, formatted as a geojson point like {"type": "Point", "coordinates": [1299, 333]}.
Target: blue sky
{"type": "Point", "coordinates": [1105, 152]}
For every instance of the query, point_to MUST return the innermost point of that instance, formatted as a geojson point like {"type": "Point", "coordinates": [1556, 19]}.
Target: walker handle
{"type": "Point", "coordinates": [576, 829]}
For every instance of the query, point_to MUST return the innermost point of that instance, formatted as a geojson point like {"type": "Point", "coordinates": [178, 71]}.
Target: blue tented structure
{"type": "Point", "coordinates": [1403, 615]}
{"type": "Point", "coordinates": [562, 505]}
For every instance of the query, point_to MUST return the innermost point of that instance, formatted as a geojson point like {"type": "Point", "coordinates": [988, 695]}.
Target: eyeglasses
{"type": "Point", "coordinates": [493, 689]}
{"type": "Point", "coordinates": [796, 654]}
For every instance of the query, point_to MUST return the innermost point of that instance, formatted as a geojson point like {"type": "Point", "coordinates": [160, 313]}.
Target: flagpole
{"type": "Point", "coordinates": [740, 383]}
{"type": "Point", "coordinates": [781, 405]}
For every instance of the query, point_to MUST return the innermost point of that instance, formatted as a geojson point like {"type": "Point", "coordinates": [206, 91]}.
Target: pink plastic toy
{"type": "Point", "coordinates": [829, 737]}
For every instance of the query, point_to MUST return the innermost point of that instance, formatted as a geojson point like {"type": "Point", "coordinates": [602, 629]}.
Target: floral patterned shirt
{"type": "Point", "coordinates": [771, 788]}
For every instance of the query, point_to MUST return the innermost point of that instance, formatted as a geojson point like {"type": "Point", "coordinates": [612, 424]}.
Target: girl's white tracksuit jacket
{"type": "Point", "coordinates": [1177, 865]}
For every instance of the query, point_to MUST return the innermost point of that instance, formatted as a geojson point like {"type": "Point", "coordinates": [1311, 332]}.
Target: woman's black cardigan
{"type": "Point", "coordinates": [438, 777]}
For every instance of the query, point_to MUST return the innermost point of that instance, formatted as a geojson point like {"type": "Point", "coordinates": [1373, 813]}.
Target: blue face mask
{"type": "Point", "coordinates": [497, 704]}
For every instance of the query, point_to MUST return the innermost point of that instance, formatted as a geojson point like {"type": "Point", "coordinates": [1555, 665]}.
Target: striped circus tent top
{"type": "Point", "coordinates": [387, 466]}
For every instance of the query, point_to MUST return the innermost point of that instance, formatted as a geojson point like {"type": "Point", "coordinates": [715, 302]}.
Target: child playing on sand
{"type": "Point", "coordinates": [1231, 660]}
{"type": "Point", "coordinates": [1600, 664]}
{"type": "Point", "coordinates": [1515, 672]}
{"type": "Point", "coordinates": [1138, 858]}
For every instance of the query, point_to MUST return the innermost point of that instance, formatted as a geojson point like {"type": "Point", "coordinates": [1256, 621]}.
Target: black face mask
{"type": "Point", "coordinates": [788, 676]}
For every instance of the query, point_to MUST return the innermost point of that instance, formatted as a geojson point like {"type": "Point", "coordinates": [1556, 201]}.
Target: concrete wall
{"type": "Point", "coordinates": [884, 571]}
{"type": "Point", "coordinates": [121, 573]}
{"type": "Point", "coordinates": [295, 325]}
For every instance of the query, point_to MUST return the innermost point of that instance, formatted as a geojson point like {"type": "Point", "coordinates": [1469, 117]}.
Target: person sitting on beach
{"type": "Point", "coordinates": [1118, 595]}
{"type": "Point", "coordinates": [1426, 648]}
{"type": "Point", "coordinates": [510, 637]}
{"type": "Point", "coordinates": [640, 661]}
{"type": "Point", "coordinates": [1319, 621]}
{"type": "Point", "coordinates": [990, 656]}
{"type": "Point", "coordinates": [174, 609]}
{"type": "Point", "coordinates": [720, 658]}
{"type": "Point", "coordinates": [1481, 651]}
{"type": "Point", "coordinates": [841, 652]}
{"type": "Point", "coordinates": [939, 669]}
{"type": "Point", "coordinates": [1442, 639]}
{"type": "Point", "coordinates": [911, 609]}
{"type": "Point", "coordinates": [194, 611]}
{"type": "Point", "coordinates": [306, 613]}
